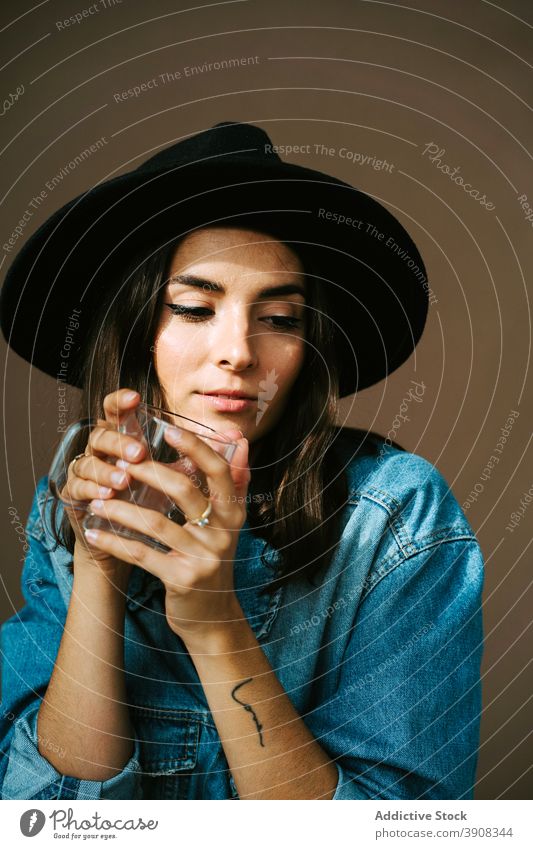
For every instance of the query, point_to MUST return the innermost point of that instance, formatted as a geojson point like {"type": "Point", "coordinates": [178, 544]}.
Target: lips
{"type": "Point", "coordinates": [230, 393]}
{"type": "Point", "coordinates": [233, 404]}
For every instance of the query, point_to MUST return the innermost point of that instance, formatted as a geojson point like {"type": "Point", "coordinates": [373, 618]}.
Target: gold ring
{"type": "Point", "coordinates": [202, 520]}
{"type": "Point", "coordinates": [73, 461]}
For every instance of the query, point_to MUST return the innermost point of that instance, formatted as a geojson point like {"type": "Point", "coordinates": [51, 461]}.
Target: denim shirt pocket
{"type": "Point", "coordinates": [169, 740]}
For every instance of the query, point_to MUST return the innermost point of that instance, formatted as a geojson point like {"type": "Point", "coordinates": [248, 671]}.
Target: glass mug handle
{"type": "Point", "coordinates": [137, 492]}
{"type": "Point", "coordinates": [58, 473]}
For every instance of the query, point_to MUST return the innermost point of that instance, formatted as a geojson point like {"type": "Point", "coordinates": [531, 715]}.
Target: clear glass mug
{"type": "Point", "coordinates": [147, 424]}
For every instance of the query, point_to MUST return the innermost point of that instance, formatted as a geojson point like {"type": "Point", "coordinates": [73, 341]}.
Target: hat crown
{"type": "Point", "coordinates": [223, 139]}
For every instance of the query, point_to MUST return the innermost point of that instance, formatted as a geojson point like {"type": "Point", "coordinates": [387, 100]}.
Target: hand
{"type": "Point", "coordinates": [92, 477]}
{"type": "Point", "coordinates": [197, 572]}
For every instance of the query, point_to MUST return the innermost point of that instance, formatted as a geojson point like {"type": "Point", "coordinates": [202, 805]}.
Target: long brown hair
{"type": "Point", "coordinates": [296, 496]}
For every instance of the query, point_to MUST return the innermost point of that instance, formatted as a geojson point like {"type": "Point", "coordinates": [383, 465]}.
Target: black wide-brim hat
{"type": "Point", "coordinates": [374, 275]}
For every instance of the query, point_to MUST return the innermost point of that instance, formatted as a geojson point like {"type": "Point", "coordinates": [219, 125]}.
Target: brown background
{"type": "Point", "coordinates": [381, 80]}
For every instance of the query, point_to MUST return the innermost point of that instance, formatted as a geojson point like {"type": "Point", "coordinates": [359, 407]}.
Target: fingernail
{"type": "Point", "coordinates": [122, 464]}
{"type": "Point", "coordinates": [130, 396]}
{"type": "Point", "coordinates": [133, 451]}
{"type": "Point", "coordinates": [96, 504]}
{"type": "Point", "coordinates": [118, 478]}
{"type": "Point", "coordinates": [174, 434]}
{"type": "Point", "coordinates": [91, 535]}
{"type": "Point", "coordinates": [105, 490]}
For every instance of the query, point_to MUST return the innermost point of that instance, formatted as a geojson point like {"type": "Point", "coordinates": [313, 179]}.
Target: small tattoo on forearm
{"type": "Point", "coordinates": [249, 708]}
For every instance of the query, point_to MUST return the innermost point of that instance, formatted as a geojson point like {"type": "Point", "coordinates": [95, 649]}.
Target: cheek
{"type": "Point", "coordinates": [286, 359]}
{"type": "Point", "coordinates": [174, 351]}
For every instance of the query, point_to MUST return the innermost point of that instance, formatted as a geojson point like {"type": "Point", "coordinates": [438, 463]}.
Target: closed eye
{"type": "Point", "coordinates": [201, 313]}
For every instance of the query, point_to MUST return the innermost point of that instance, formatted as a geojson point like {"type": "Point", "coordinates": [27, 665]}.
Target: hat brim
{"type": "Point", "coordinates": [375, 276]}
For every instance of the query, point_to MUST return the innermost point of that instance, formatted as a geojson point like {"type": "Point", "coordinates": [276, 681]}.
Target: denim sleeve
{"type": "Point", "coordinates": [404, 723]}
{"type": "Point", "coordinates": [30, 641]}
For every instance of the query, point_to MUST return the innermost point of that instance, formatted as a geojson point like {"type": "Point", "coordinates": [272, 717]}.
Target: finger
{"type": "Point", "coordinates": [156, 525]}
{"type": "Point", "coordinates": [108, 442]}
{"type": "Point", "coordinates": [239, 467]}
{"type": "Point", "coordinates": [179, 487]}
{"type": "Point", "coordinates": [120, 403]}
{"type": "Point", "coordinates": [88, 474]}
{"type": "Point", "coordinates": [130, 551]}
{"type": "Point", "coordinates": [153, 524]}
{"type": "Point", "coordinates": [215, 467]}
{"type": "Point", "coordinates": [165, 566]}
{"type": "Point", "coordinates": [184, 490]}
{"type": "Point", "coordinates": [73, 492]}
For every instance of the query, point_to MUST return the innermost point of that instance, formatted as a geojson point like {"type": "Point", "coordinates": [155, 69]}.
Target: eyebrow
{"type": "Point", "coordinates": [212, 286]}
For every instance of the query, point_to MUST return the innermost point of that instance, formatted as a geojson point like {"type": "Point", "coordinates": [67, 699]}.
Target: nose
{"type": "Point", "coordinates": [232, 343]}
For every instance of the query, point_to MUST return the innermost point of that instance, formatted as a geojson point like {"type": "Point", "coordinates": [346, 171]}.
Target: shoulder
{"type": "Point", "coordinates": [399, 506]}
{"type": "Point", "coordinates": [418, 500]}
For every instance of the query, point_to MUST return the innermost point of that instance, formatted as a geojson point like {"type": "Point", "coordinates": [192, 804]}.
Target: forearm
{"type": "Point", "coordinates": [270, 751]}
{"type": "Point", "coordinates": [84, 715]}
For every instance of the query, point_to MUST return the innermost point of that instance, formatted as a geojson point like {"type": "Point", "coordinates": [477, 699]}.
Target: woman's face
{"type": "Point", "coordinates": [225, 328]}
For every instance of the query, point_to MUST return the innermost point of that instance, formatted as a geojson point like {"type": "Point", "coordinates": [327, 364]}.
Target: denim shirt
{"type": "Point", "coordinates": [381, 658]}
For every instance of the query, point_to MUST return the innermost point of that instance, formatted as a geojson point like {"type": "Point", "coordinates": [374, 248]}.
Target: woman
{"type": "Point", "coordinates": [321, 636]}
